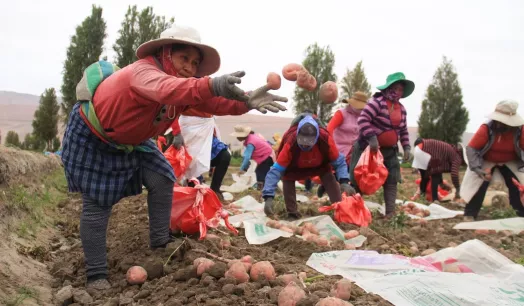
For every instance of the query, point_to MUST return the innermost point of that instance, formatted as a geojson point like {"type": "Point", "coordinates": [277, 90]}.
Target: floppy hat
{"type": "Point", "coordinates": [241, 131]}
{"type": "Point", "coordinates": [409, 86]}
{"type": "Point", "coordinates": [178, 34]}
{"type": "Point", "coordinates": [358, 100]}
{"type": "Point", "coordinates": [506, 112]}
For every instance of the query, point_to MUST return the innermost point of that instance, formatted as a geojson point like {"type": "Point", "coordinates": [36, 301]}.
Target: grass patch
{"type": "Point", "coordinates": [503, 213]}
{"type": "Point", "coordinates": [31, 204]}
{"type": "Point", "coordinates": [236, 161]}
{"type": "Point", "coordinates": [23, 293]}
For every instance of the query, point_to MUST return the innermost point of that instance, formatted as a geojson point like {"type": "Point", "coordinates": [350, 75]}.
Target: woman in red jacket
{"type": "Point", "coordinates": [108, 153]}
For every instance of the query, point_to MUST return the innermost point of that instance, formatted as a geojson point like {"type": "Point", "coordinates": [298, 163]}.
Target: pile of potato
{"type": "Point", "coordinates": [412, 209]}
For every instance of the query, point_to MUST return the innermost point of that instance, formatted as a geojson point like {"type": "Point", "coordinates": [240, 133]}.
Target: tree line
{"type": "Point", "coordinates": [443, 95]}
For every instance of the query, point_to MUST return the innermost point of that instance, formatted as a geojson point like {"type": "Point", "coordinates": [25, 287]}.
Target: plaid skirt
{"type": "Point", "coordinates": [100, 171]}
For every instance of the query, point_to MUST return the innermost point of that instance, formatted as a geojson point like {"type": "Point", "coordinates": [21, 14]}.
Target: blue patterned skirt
{"type": "Point", "coordinates": [102, 172]}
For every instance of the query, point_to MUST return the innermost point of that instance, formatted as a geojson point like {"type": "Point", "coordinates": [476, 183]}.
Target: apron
{"type": "Point", "coordinates": [471, 182]}
{"type": "Point", "coordinates": [198, 138]}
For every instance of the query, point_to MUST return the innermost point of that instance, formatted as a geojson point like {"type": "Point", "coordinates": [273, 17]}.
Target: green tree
{"type": "Point", "coordinates": [85, 48]}
{"type": "Point", "coordinates": [46, 118]}
{"type": "Point", "coordinates": [443, 115]}
{"type": "Point", "coordinates": [354, 80]}
{"type": "Point", "coordinates": [11, 139]}
{"type": "Point", "coordinates": [319, 62]}
{"type": "Point", "coordinates": [135, 30]}
{"type": "Point", "coordinates": [56, 144]}
{"type": "Point", "coordinates": [33, 143]}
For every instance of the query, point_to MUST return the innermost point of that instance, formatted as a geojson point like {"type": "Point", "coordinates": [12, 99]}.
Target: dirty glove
{"type": "Point", "coordinates": [480, 173]}
{"type": "Point", "coordinates": [373, 144]}
{"type": "Point", "coordinates": [263, 101]}
{"type": "Point", "coordinates": [407, 154]}
{"type": "Point", "coordinates": [224, 86]}
{"type": "Point", "coordinates": [268, 207]}
{"type": "Point", "coordinates": [345, 187]}
{"type": "Point", "coordinates": [178, 141]}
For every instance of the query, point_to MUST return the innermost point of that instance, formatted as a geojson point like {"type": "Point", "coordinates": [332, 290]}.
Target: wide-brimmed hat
{"type": "Point", "coordinates": [358, 100]}
{"type": "Point", "coordinates": [506, 112]}
{"type": "Point", "coordinates": [409, 86]}
{"type": "Point", "coordinates": [241, 131]}
{"type": "Point", "coordinates": [178, 34]}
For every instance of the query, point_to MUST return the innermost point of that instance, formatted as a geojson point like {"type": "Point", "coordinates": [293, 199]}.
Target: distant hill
{"type": "Point", "coordinates": [17, 111]}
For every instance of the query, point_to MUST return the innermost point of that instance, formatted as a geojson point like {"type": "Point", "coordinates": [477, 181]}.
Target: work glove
{"type": "Point", "coordinates": [345, 187]}
{"type": "Point", "coordinates": [407, 154]}
{"type": "Point", "coordinates": [268, 207]}
{"type": "Point", "coordinates": [263, 101]}
{"type": "Point", "coordinates": [178, 141]}
{"type": "Point", "coordinates": [480, 173]}
{"type": "Point", "coordinates": [373, 144]}
{"type": "Point", "coordinates": [224, 86]}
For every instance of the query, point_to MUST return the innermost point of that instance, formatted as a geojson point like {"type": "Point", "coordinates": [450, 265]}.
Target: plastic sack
{"type": "Point", "coordinates": [350, 210]}
{"type": "Point", "coordinates": [520, 187]}
{"type": "Point", "coordinates": [198, 138]}
{"type": "Point", "coordinates": [370, 172]}
{"type": "Point", "coordinates": [161, 142]}
{"type": "Point", "coordinates": [441, 191]}
{"type": "Point", "coordinates": [195, 209]}
{"type": "Point", "coordinates": [179, 160]}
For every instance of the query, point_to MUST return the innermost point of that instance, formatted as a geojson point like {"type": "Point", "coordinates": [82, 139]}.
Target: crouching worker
{"type": "Point", "coordinates": [445, 158]}
{"type": "Point", "coordinates": [495, 153]}
{"type": "Point", "coordinates": [307, 150]}
{"type": "Point", "coordinates": [257, 149]}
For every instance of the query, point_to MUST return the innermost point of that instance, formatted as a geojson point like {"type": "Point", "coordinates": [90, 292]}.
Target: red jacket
{"type": "Point", "coordinates": [136, 103]}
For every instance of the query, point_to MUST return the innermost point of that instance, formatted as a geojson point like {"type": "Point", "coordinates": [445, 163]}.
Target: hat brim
{"type": "Point", "coordinates": [515, 120]}
{"type": "Point", "coordinates": [409, 87]}
{"type": "Point", "coordinates": [236, 134]}
{"type": "Point", "coordinates": [357, 104]}
{"type": "Point", "coordinates": [210, 62]}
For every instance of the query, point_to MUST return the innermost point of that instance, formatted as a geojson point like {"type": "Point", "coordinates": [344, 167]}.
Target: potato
{"type": "Point", "coordinates": [303, 79]}
{"type": "Point", "coordinates": [136, 275]}
{"type": "Point", "coordinates": [351, 234]}
{"type": "Point", "coordinates": [302, 275]}
{"type": "Point", "coordinates": [311, 83]}
{"type": "Point", "coordinates": [411, 205]}
{"type": "Point", "coordinates": [238, 272]}
{"type": "Point", "coordinates": [332, 301]}
{"type": "Point", "coordinates": [273, 81]}
{"type": "Point", "coordinates": [342, 289]}
{"type": "Point", "coordinates": [335, 238]}
{"type": "Point", "coordinates": [288, 278]}
{"type": "Point", "coordinates": [426, 213]}
{"type": "Point", "coordinates": [428, 252]}
{"type": "Point", "coordinates": [481, 232]}
{"type": "Point", "coordinates": [247, 265]}
{"type": "Point", "coordinates": [287, 229]}
{"type": "Point", "coordinates": [420, 214]}
{"type": "Point", "coordinates": [322, 241]}
{"type": "Point", "coordinates": [311, 228]}
{"type": "Point", "coordinates": [262, 268]}
{"type": "Point", "coordinates": [202, 264]}
{"type": "Point", "coordinates": [291, 295]}
{"type": "Point", "coordinates": [247, 258]}
{"type": "Point", "coordinates": [290, 71]}
{"type": "Point", "coordinates": [328, 92]}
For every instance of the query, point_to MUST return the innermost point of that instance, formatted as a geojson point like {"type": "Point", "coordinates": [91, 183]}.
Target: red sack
{"type": "Point", "coordinates": [520, 188]}
{"type": "Point", "coordinates": [370, 172]}
{"type": "Point", "coordinates": [160, 142]}
{"type": "Point", "coordinates": [179, 159]}
{"type": "Point", "coordinates": [350, 210]}
{"type": "Point", "coordinates": [195, 209]}
{"type": "Point", "coordinates": [441, 192]}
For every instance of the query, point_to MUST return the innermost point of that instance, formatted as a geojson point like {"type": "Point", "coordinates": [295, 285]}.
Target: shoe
{"type": "Point", "coordinates": [468, 219]}
{"type": "Point", "coordinates": [99, 284]}
{"type": "Point", "coordinates": [320, 191]}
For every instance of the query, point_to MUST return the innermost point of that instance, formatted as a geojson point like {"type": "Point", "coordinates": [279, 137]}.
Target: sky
{"type": "Point", "coordinates": [484, 39]}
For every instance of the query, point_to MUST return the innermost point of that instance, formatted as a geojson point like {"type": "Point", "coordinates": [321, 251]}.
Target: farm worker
{"type": "Point", "coordinates": [307, 150]}
{"type": "Point", "coordinates": [198, 132]}
{"type": "Point", "coordinates": [382, 123]}
{"type": "Point", "coordinates": [108, 153]}
{"type": "Point", "coordinates": [495, 153]}
{"type": "Point", "coordinates": [441, 158]}
{"type": "Point", "coordinates": [257, 149]}
{"type": "Point", "coordinates": [344, 127]}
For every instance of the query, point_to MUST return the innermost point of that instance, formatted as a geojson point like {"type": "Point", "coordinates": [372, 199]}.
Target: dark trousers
{"type": "Point", "coordinates": [328, 181]}
{"type": "Point", "coordinates": [473, 207]}
{"type": "Point", "coordinates": [436, 180]}
{"type": "Point", "coordinates": [95, 218]}
{"type": "Point", "coordinates": [262, 169]}
{"type": "Point", "coordinates": [221, 163]}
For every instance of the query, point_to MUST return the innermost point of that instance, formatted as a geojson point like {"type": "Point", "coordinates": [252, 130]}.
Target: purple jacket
{"type": "Point", "coordinates": [374, 120]}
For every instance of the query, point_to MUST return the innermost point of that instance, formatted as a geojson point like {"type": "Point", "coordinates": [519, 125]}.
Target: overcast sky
{"type": "Point", "coordinates": [484, 39]}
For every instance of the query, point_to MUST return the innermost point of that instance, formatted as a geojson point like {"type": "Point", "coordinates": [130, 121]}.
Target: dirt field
{"type": "Point", "coordinates": [174, 282]}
